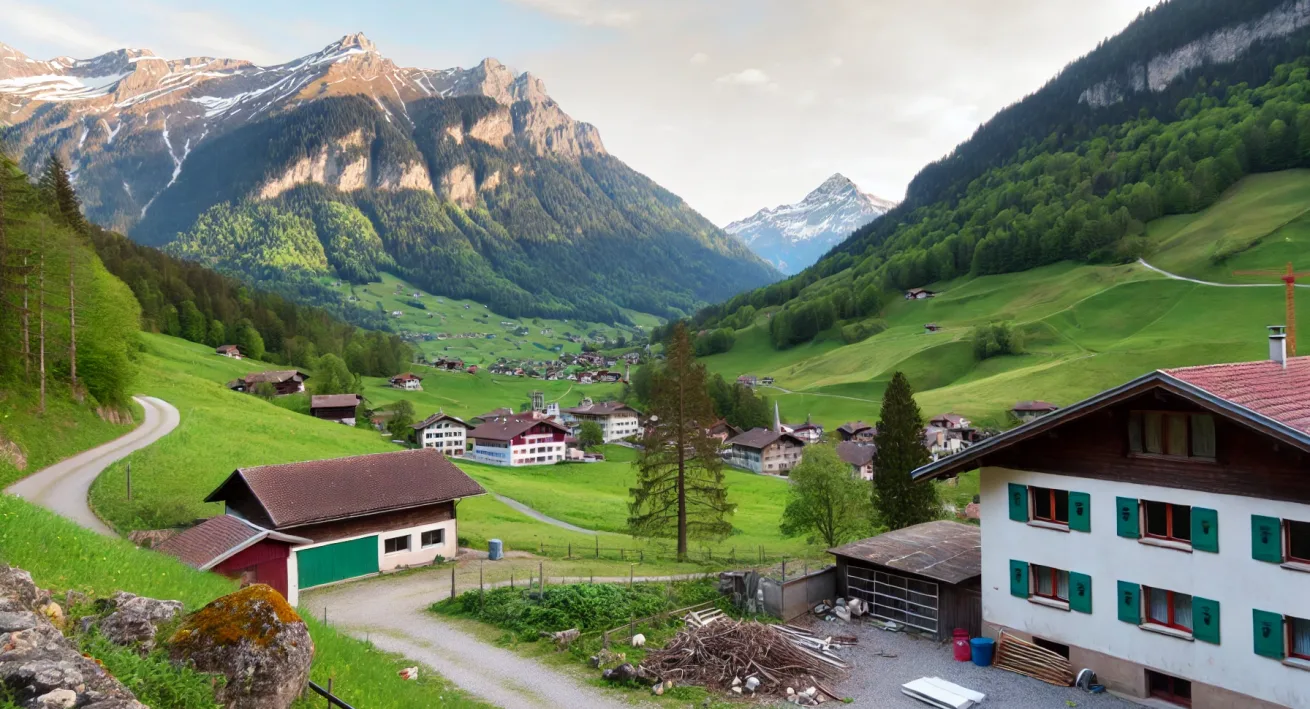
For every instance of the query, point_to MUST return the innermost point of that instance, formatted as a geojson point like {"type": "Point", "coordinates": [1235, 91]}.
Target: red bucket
{"type": "Point", "coordinates": [961, 643]}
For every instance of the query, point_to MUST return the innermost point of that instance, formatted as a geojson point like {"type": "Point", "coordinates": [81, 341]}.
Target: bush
{"type": "Point", "coordinates": [996, 339]}
{"type": "Point", "coordinates": [714, 342]}
{"type": "Point", "coordinates": [860, 331]}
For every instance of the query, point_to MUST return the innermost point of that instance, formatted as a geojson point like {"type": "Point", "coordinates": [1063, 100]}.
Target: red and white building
{"type": "Point", "coordinates": [519, 441]}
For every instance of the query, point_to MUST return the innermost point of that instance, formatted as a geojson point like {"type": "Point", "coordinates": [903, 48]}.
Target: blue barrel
{"type": "Point", "coordinates": [495, 550]}
{"type": "Point", "coordinates": [983, 649]}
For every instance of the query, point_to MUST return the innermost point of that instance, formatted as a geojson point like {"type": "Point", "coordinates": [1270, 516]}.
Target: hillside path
{"type": "Point", "coordinates": [391, 613]}
{"type": "Point", "coordinates": [63, 487]}
{"type": "Point", "coordinates": [540, 517]}
{"type": "Point", "coordinates": [816, 393]}
{"type": "Point", "coordinates": [1177, 277]}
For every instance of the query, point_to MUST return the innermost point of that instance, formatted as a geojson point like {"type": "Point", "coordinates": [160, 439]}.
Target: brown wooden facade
{"type": "Point", "coordinates": [959, 605]}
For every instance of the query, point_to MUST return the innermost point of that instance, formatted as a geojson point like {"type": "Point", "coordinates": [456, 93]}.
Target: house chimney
{"type": "Point", "coordinates": [1278, 345]}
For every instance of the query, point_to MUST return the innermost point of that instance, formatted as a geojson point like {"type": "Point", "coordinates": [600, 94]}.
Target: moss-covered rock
{"type": "Point", "coordinates": [256, 640]}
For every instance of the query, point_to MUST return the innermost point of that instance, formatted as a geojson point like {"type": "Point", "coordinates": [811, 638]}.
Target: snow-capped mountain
{"type": "Point", "coordinates": [794, 236]}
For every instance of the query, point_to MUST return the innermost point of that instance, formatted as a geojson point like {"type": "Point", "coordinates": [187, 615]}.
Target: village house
{"type": "Point", "coordinates": [228, 351]}
{"type": "Point", "coordinates": [444, 432]}
{"type": "Point", "coordinates": [407, 381]}
{"type": "Point", "coordinates": [859, 456]}
{"type": "Point", "coordinates": [284, 381]}
{"type": "Point", "coordinates": [749, 380]}
{"type": "Point", "coordinates": [335, 407]}
{"type": "Point", "coordinates": [519, 441]}
{"type": "Point", "coordinates": [949, 421]}
{"type": "Point", "coordinates": [1158, 533]}
{"type": "Point", "coordinates": [616, 419]}
{"type": "Point", "coordinates": [857, 431]}
{"type": "Point", "coordinates": [919, 294]}
{"type": "Point", "coordinates": [931, 327]}
{"type": "Point", "coordinates": [942, 442]}
{"type": "Point", "coordinates": [722, 430]}
{"type": "Point", "coordinates": [809, 431]}
{"type": "Point", "coordinates": [764, 451]}
{"type": "Point", "coordinates": [1026, 411]}
{"type": "Point", "coordinates": [300, 525]}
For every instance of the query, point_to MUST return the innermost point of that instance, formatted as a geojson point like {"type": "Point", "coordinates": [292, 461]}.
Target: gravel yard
{"type": "Point", "coordinates": [875, 681]}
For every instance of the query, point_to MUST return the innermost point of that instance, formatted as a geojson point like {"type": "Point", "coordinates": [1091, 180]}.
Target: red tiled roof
{"type": "Point", "coordinates": [294, 494]}
{"type": "Point", "coordinates": [1265, 387]}
{"type": "Point", "coordinates": [407, 376]}
{"type": "Point", "coordinates": [506, 429]}
{"type": "Point", "coordinates": [217, 538]}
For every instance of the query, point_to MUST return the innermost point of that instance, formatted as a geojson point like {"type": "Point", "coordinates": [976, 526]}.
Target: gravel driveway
{"type": "Point", "coordinates": [876, 681]}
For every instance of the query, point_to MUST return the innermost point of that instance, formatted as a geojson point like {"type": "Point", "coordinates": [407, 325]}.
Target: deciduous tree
{"type": "Point", "coordinates": [826, 501]}
{"type": "Point", "coordinates": [590, 435]}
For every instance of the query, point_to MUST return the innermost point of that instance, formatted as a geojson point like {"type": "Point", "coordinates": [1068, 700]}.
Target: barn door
{"type": "Point", "coordinates": [337, 562]}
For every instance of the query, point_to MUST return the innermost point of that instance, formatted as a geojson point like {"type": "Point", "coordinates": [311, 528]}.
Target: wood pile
{"type": "Point", "coordinates": [697, 619]}
{"type": "Point", "coordinates": [723, 653]}
{"type": "Point", "coordinates": [1028, 659]}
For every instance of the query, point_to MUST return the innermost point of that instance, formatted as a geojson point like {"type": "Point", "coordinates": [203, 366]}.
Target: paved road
{"type": "Point", "coordinates": [63, 487]}
{"type": "Point", "coordinates": [542, 517]}
{"type": "Point", "coordinates": [1177, 277]}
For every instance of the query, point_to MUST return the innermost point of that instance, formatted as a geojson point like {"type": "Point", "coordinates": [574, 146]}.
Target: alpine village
{"type": "Point", "coordinates": [334, 381]}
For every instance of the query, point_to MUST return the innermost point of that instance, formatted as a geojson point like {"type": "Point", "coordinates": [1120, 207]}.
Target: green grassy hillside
{"type": "Point", "coordinates": [1087, 328]}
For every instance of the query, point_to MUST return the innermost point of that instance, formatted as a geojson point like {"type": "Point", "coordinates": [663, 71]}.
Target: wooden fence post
{"type": "Point", "coordinates": [541, 575]}
{"type": "Point", "coordinates": [329, 691]}
{"type": "Point", "coordinates": [570, 550]}
{"type": "Point", "coordinates": [631, 573]}
{"type": "Point", "coordinates": [597, 546]}
{"type": "Point", "coordinates": [452, 580]}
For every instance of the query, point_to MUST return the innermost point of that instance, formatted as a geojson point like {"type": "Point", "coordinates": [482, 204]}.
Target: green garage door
{"type": "Point", "coordinates": [337, 562]}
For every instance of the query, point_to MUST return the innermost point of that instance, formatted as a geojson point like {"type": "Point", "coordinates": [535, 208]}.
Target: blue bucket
{"type": "Point", "coordinates": [495, 550]}
{"type": "Point", "coordinates": [982, 649]}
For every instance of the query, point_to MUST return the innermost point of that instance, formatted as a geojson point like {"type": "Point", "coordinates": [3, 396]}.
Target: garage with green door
{"type": "Point", "coordinates": [337, 562]}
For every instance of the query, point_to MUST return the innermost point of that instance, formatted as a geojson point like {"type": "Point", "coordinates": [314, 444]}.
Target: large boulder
{"type": "Point", "coordinates": [136, 619]}
{"type": "Point", "coordinates": [256, 640]}
{"type": "Point", "coordinates": [39, 667]}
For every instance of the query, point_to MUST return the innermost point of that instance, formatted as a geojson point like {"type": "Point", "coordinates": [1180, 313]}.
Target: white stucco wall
{"type": "Point", "coordinates": [386, 562]}
{"type": "Point", "coordinates": [1231, 577]}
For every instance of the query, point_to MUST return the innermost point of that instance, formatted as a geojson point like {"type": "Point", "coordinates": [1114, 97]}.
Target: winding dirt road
{"type": "Point", "coordinates": [63, 487]}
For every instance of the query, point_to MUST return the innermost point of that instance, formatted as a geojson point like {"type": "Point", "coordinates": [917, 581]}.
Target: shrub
{"type": "Point", "coordinates": [860, 331]}
{"type": "Point", "coordinates": [996, 339]}
{"type": "Point", "coordinates": [154, 680]}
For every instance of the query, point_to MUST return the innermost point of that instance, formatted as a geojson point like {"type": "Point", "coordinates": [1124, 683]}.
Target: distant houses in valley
{"type": "Point", "coordinates": [443, 432]}
{"type": "Point", "coordinates": [335, 407]}
{"type": "Point", "coordinates": [1026, 411]}
{"type": "Point", "coordinates": [228, 351]}
{"type": "Point", "coordinates": [283, 381]}
{"type": "Point", "coordinates": [765, 451]}
{"type": "Point", "coordinates": [858, 431]}
{"type": "Point", "coordinates": [809, 431]}
{"type": "Point", "coordinates": [296, 526]}
{"type": "Point", "coordinates": [919, 294]}
{"type": "Point", "coordinates": [932, 327]}
{"type": "Point", "coordinates": [859, 456]}
{"type": "Point", "coordinates": [616, 419]}
{"type": "Point", "coordinates": [407, 381]}
{"type": "Point", "coordinates": [519, 440]}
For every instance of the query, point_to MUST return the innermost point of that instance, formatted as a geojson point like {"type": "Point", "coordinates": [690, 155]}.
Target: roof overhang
{"type": "Point", "coordinates": [261, 535]}
{"type": "Point", "coordinates": [970, 458]}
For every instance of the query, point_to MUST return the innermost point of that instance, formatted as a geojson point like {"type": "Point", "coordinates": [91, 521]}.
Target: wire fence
{"type": "Point", "coordinates": [730, 555]}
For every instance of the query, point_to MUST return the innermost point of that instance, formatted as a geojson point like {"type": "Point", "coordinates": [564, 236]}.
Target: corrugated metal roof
{"type": "Point", "coordinates": [944, 551]}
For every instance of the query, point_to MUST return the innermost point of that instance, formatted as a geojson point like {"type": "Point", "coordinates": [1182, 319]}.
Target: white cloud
{"type": "Point", "coordinates": [584, 12]}
{"type": "Point", "coordinates": [699, 58]}
{"type": "Point", "coordinates": [28, 24]}
{"type": "Point", "coordinates": [745, 77]}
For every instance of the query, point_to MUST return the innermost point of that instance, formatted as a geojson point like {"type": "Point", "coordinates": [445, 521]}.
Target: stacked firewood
{"type": "Point", "coordinates": [723, 653]}
{"type": "Point", "coordinates": [1026, 658]}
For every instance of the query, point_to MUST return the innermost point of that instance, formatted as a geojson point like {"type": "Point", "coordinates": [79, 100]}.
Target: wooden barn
{"type": "Point", "coordinates": [335, 407]}
{"type": "Point", "coordinates": [927, 577]}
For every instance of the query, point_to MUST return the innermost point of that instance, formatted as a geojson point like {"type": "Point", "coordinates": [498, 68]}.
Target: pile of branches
{"type": "Point", "coordinates": [716, 654]}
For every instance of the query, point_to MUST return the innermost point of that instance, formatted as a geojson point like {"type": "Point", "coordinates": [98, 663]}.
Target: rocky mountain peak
{"type": "Point", "coordinates": [356, 40]}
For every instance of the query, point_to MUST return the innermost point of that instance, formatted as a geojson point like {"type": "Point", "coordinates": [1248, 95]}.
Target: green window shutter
{"type": "Point", "coordinates": [1080, 512]}
{"type": "Point", "coordinates": [1018, 578]}
{"type": "Point", "coordinates": [1205, 619]}
{"type": "Point", "coordinates": [1267, 539]}
{"type": "Point", "coordinates": [1130, 599]}
{"type": "Point", "coordinates": [1205, 529]}
{"type": "Point", "coordinates": [1125, 517]}
{"type": "Point", "coordinates": [1268, 634]}
{"type": "Point", "coordinates": [1080, 592]}
{"type": "Point", "coordinates": [1018, 502]}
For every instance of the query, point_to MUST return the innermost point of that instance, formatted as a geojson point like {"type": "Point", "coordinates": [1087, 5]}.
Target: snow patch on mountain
{"type": "Point", "coordinates": [794, 236]}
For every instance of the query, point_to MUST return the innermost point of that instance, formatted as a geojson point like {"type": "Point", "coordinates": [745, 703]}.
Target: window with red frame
{"type": "Point", "coordinates": [1166, 521]}
{"type": "Point", "coordinates": [1167, 608]}
{"type": "Point", "coordinates": [1050, 505]}
{"type": "Point", "coordinates": [1049, 583]}
{"type": "Point", "coordinates": [1298, 638]}
{"type": "Point", "coordinates": [1171, 689]}
{"type": "Point", "coordinates": [1298, 541]}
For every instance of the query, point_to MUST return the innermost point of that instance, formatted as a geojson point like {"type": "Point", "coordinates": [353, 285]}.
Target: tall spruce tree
{"type": "Point", "coordinates": [898, 501]}
{"type": "Point", "coordinates": [57, 190]}
{"type": "Point", "coordinates": [680, 490]}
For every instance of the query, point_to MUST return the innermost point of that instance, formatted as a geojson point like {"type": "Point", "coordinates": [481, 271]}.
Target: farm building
{"type": "Point", "coordinates": [228, 351]}
{"type": "Point", "coordinates": [1026, 411]}
{"type": "Point", "coordinates": [919, 294]}
{"type": "Point", "coordinates": [859, 456]}
{"type": "Point", "coordinates": [926, 577]}
{"type": "Point", "coordinates": [284, 381]}
{"type": "Point", "coordinates": [444, 432]}
{"type": "Point", "coordinates": [299, 525]}
{"type": "Point", "coordinates": [1160, 531]}
{"type": "Point", "coordinates": [335, 407]}
{"type": "Point", "coordinates": [764, 451]}
{"type": "Point", "coordinates": [932, 327]}
{"type": "Point", "coordinates": [408, 381]}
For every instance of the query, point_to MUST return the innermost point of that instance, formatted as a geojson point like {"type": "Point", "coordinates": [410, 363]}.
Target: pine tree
{"type": "Point", "coordinates": [57, 189]}
{"type": "Point", "coordinates": [680, 490]}
{"type": "Point", "coordinates": [898, 500]}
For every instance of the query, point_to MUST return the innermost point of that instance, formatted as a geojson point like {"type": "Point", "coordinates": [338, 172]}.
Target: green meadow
{"type": "Point", "coordinates": [1086, 328]}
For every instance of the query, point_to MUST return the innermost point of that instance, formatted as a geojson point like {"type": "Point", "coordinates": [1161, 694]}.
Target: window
{"type": "Point", "coordinates": [1298, 541]}
{"type": "Point", "coordinates": [1049, 583]}
{"type": "Point", "coordinates": [1298, 638]}
{"type": "Point", "coordinates": [1167, 521]}
{"type": "Point", "coordinates": [1167, 608]}
{"type": "Point", "coordinates": [396, 544]}
{"type": "Point", "coordinates": [432, 537]}
{"type": "Point", "coordinates": [1173, 434]}
{"type": "Point", "coordinates": [1171, 689]}
{"type": "Point", "coordinates": [1050, 505]}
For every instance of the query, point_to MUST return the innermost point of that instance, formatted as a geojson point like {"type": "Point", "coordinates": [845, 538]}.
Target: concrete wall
{"type": "Point", "coordinates": [1231, 577]}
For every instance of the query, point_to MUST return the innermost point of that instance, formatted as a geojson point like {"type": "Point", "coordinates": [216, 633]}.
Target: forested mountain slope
{"type": "Point", "coordinates": [1076, 171]}
{"type": "Point", "coordinates": [470, 182]}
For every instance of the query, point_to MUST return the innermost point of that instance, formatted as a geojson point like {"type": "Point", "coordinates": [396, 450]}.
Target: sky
{"type": "Point", "coordinates": [734, 105]}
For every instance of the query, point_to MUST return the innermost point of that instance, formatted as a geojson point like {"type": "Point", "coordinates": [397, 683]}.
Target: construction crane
{"type": "Point", "coordinates": [1289, 277]}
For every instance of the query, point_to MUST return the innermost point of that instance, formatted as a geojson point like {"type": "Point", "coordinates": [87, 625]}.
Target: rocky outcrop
{"type": "Point", "coordinates": [494, 128]}
{"type": "Point", "coordinates": [134, 620]}
{"type": "Point", "coordinates": [459, 185]}
{"type": "Point", "coordinates": [412, 176]}
{"type": "Point", "coordinates": [346, 165]}
{"type": "Point", "coordinates": [253, 638]}
{"type": "Point", "coordinates": [39, 667]}
{"type": "Point", "coordinates": [491, 182]}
